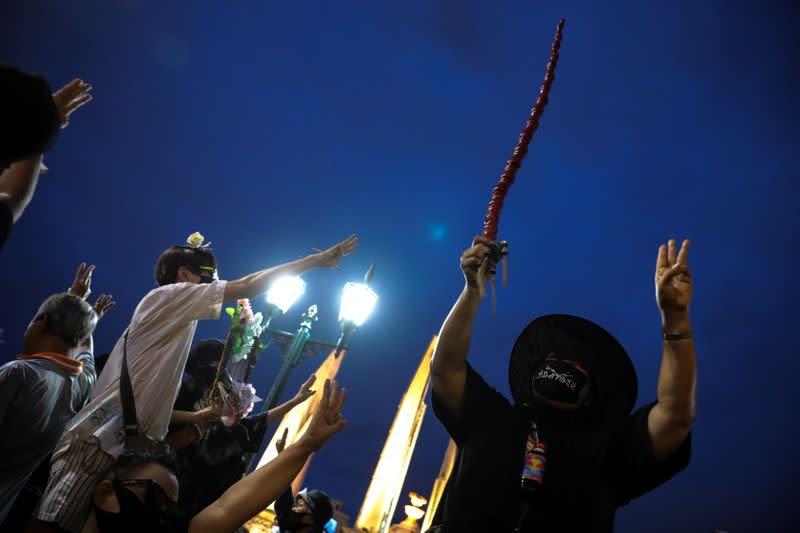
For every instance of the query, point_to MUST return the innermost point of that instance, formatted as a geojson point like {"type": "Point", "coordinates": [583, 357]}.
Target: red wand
{"type": "Point", "coordinates": [507, 178]}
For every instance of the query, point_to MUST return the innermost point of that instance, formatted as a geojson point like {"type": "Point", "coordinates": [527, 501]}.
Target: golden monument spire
{"type": "Point", "coordinates": [387, 480]}
{"type": "Point", "coordinates": [440, 484]}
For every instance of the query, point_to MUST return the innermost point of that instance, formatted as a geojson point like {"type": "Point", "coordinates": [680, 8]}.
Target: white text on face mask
{"type": "Point", "coordinates": [548, 373]}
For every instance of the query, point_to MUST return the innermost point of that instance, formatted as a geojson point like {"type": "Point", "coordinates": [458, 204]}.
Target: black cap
{"type": "Point", "coordinates": [206, 351]}
{"type": "Point", "coordinates": [320, 505]}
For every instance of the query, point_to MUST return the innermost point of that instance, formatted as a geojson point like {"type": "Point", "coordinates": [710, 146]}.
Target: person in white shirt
{"type": "Point", "coordinates": [157, 343]}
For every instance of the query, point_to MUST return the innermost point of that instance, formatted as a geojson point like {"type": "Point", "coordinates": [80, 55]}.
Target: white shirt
{"type": "Point", "coordinates": [159, 337]}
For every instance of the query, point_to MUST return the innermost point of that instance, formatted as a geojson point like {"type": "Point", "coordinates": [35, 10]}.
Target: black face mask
{"type": "Point", "coordinates": [558, 381]}
{"type": "Point", "coordinates": [291, 520]}
{"type": "Point", "coordinates": [157, 514]}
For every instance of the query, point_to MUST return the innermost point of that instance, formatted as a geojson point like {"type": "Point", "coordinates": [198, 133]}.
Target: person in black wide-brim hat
{"type": "Point", "coordinates": [568, 452]}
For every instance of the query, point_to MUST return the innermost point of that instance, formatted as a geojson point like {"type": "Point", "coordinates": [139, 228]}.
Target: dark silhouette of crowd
{"type": "Point", "coordinates": [134, 441]}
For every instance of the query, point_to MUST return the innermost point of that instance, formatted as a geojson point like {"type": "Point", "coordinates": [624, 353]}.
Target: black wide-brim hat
{"type": "Point", "coordinates": [613, 376]}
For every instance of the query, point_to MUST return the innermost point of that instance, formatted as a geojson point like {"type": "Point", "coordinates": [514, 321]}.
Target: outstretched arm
{"type": "Point", "coordinates": [448, 371]}
{"type": "Point", "coordinates": [302, 395]}
{"type": "Point", "coordinates": [671, 419]}
{"type": "Point", "coordinates": [247, 497]}
{"type": "Point", "coordinates": [257, 283]}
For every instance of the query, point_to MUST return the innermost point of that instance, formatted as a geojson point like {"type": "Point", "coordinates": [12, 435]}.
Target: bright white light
{"type": "Point", "coordinates": [358, 301]}
{"type": "Point", "coordinates": [285, 292]}
{"type": "Point", "coordinates": [413, 513]}
{"type": "Point", "coordinates": [417, 500]}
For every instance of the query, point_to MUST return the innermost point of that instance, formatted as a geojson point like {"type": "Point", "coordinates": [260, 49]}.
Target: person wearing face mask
{"type": "Point", "coordinates": [567, 452]}
{"type": "Point", "coordinates": [157, 340]}
{"type": "Point", "coordinates": [141, 493]}
{"type": "Point", "coordinates": [211, 456]}
{"type": "Point", "coordinates": [308, 512]}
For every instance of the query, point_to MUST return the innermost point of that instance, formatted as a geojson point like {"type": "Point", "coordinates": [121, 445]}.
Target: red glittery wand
{"type": "Point", "coordinates": [507, 178]}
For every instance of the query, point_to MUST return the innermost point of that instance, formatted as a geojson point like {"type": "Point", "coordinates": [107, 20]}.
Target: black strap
{"type": "Point", "coordinates": [126, 398]}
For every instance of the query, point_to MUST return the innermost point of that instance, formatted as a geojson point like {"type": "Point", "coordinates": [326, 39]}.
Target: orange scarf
{"type": "Point", "coordinates": [61, 361]}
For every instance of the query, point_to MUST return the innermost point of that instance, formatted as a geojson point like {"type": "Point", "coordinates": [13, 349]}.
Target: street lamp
{"type": "Point", "coordinates": [282, 294]}
{"type": "Point", "coordinates": [358, 301]}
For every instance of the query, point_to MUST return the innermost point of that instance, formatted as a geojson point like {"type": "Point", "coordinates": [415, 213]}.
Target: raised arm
{"type": "Point", "coordinates": [671, 419]}
{"type": "Point", "coordinates": [257, 283]}
{"type": "Point", "coordinates": [18, 182]}
{"type": "Point", "coordinates": [303, 394]}
{"type": "Point", "coordinates": [82, 288]}
{"type": "Point", "coordinates": [249, 496]}
{"type": "Point", "coordinates": [448, 371]}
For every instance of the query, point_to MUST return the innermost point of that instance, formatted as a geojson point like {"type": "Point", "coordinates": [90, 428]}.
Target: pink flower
{"type": "Point", "coordinates": [241, 400]}
{"type": "Point", "coordinates": [247, 311]}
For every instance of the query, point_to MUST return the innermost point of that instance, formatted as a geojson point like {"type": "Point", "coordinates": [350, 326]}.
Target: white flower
{"type": "Point", "coordinates": [195, 239]}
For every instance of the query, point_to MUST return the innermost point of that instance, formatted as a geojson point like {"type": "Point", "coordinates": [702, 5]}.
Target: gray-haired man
{"type": "Point", "coordinates": [43, 388]}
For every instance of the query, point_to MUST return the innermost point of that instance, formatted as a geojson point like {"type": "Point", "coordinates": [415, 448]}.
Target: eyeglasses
{"type": "Point", "coordinates": [208, 274]}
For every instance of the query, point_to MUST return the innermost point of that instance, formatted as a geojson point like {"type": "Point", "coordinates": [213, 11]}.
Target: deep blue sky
{"type": "Point", "coordinates": [273, 128]}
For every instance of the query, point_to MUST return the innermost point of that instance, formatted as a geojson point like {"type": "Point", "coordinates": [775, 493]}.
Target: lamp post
{"type": "Point", "coordinates": [358, 301]}
{"type": "Point", "coordinates": [280, 297]}
{"type": "Point", "coordinates": [292, 357]}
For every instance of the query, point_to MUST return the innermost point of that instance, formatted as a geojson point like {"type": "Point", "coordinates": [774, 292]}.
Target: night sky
{"type": "Point", "coordinates": [274, 128]}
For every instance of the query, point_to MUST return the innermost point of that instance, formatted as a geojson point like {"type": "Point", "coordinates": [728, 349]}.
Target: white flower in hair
{"type": "Point", "coordinates": [195, 240]}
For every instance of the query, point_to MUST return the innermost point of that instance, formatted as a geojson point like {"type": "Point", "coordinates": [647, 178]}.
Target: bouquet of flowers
{"type": "Point", "coordinates": [246, 328]}
{"type": "Point", "coordinates": [236, 396]}
{"type": "Point", "coordinates": [238, 401]}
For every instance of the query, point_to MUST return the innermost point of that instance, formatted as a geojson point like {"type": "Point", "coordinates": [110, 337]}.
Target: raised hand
{"type": "Point", "coordinates": [331, 257]}
{"type": "Point", "coordinates": [471, 260]}
{"type": "Point", "coordinates": [70, 97]}
{"type": "Point", "coordinates": [327, 419]}
{"type": "Point", "coordinates": [82, 285]}
{"type": "Point", "coordinates": [103, 304]}
{"type": "Point", "coordinates": [305, 392]}
{"type": "Point", "coordinates": [673, 279]}
{"type": "Point", "coordinates": [280, 444]}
